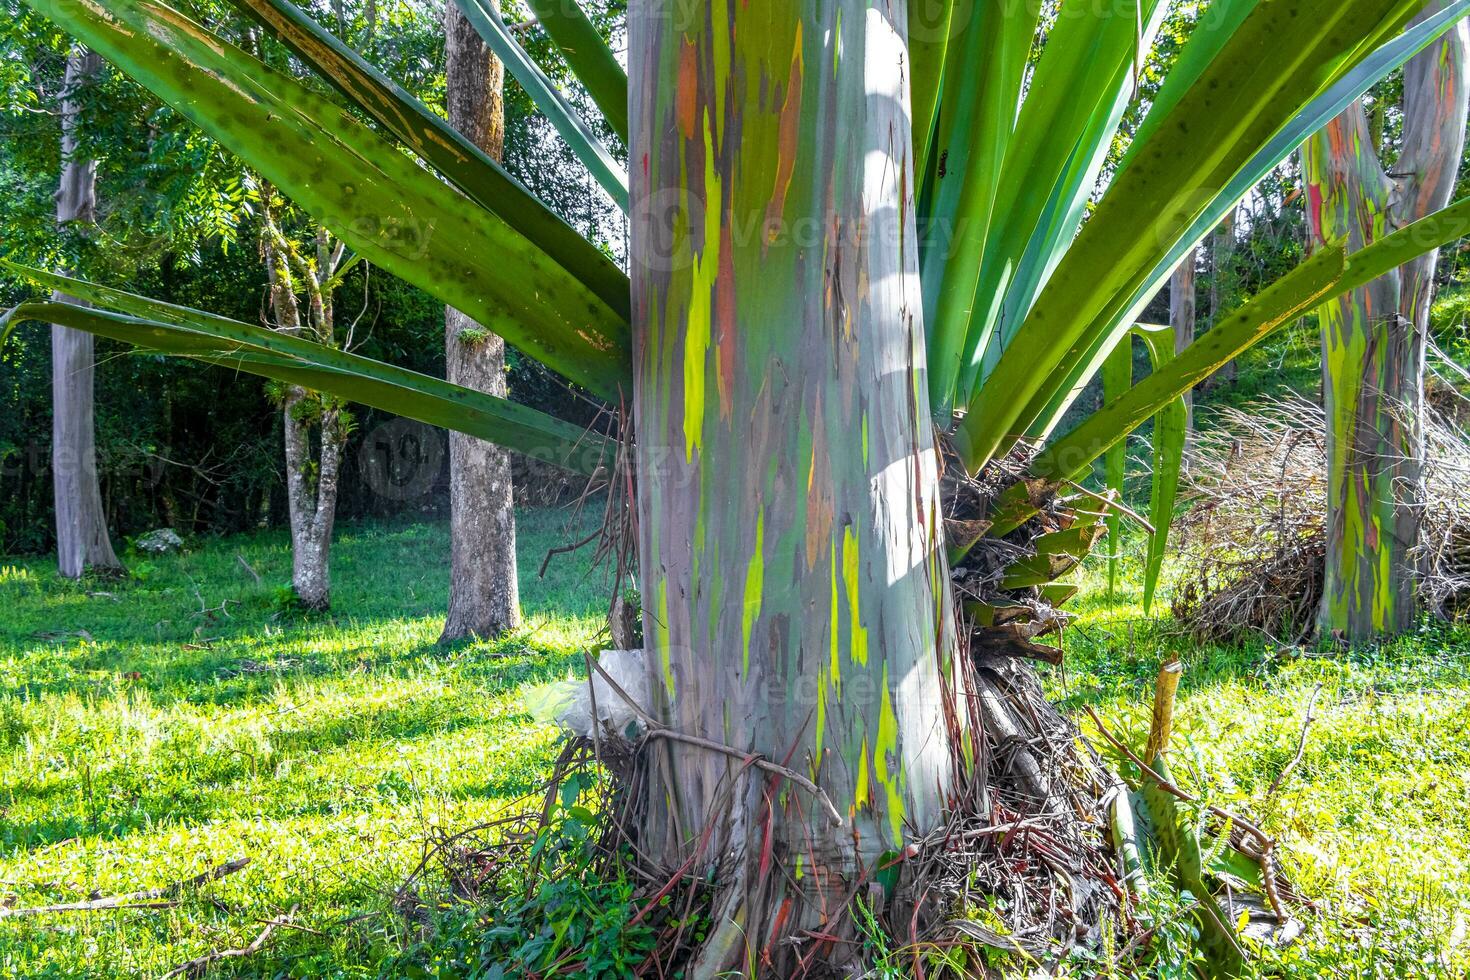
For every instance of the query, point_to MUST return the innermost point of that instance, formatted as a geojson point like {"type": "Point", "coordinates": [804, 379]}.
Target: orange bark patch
{"type": "Point", "coordinates": [788, 141]}
{"type": "Point", "coordinates": [688, 94]}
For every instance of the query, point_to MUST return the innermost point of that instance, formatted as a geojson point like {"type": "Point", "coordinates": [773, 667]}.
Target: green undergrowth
{"type": "Point", "coordinates": [1373, 822]}
{"type": "Point", "coordinates": [155, 727]}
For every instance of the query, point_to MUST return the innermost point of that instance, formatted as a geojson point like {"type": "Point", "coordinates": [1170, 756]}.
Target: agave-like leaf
{"type": "Point", "coordinates": [201, 336]}
{"type": "Point", "coordinates": [929, 23]}
{"type": "Point", "coordinates": [1211, 132]}
{"type": "Point", "coordinates": [1326, 275]}
{"type": "Point", "coordinates": [428, 134]}
{"type": "Point", "coordinates": [1127, 306]}
{"type": "Point", "coordinates": [984, 66]}
{"type": "Point", "coordinates": [1171, 429]}
{"type": "Point", "coordinates": [1077, 96]}
{"type": "Point", "coordinates": [589, 57]}
{"type": "Point", "coordinates": [380, 201]}
{"type": "Point", "coordinates": [563, 117]}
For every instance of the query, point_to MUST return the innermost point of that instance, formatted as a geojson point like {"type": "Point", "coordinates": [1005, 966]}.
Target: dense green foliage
{"type": "Point", "coordinates": [179, 447]}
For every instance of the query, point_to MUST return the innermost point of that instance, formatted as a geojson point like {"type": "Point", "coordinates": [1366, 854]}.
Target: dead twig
{"type": "Point", "coordinates": [1301, 745]}
{"type": "Point", "coordinates": [153, 898]}
{"type": "Point", "coordinates": [195, 967]}
{"type": "Point", "coordinates": [246, 565]}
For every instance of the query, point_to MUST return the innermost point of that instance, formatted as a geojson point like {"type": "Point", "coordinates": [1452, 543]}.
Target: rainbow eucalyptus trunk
{"type": "Point", "coordinates": [1374, 341]}
{"type": "Point", "coordinates": [795, 589]}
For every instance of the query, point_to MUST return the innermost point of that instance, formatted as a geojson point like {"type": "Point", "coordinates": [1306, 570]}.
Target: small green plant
{"type": "Point", "coordinates": [558, 912]}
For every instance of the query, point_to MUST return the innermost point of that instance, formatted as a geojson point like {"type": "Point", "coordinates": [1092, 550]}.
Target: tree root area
{"type": "Point", "coordinates": [1022, 868]}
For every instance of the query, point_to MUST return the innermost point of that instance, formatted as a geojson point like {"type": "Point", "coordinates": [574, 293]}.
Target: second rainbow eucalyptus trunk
{"type": "Point", "coordinates": [1374, 340]}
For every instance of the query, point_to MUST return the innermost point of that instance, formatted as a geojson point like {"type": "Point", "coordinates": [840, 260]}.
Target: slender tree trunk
{"type": "Point", "coordinates": [81, 523]}
{"type": "Point", "coordinates": [1222, 250]}
{"type": "Point", "coordinates": [484, 595]}
{"type": "Point", "coordinates": [793, 575]}
{"type": "Point", "coordinates": [1374, 341]}
{"type": "Point", "coordinates": [1182, 319]}
{"type": "Point", "coordinates": [312, 478]}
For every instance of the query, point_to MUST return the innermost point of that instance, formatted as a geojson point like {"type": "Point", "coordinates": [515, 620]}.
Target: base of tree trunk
{"type": "Point", "coordinates": [1036, 855]}
{"type": "Point", "coordinates": [1029, 839]}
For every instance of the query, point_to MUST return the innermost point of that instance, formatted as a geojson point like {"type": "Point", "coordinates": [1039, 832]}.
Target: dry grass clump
{"type": "Point", "coordinates": [1254, 538]}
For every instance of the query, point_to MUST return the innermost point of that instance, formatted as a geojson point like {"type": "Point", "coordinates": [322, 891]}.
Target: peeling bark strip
{"type": "Point", "coordinates": [795, 590]}
{"type": "Point", "coordinates": [484, 595]}
{"type": "Point", "coordinates": [81, 523]}
{"type": "Point", "coordinates": [1374, 339]}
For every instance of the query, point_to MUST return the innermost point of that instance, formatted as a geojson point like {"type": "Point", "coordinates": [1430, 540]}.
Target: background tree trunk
{"type": "Point", "coordinates": [484, 595]}
{"type": "Point", "coordinates": [81, 524]}
{"type": "Point", "coordinates": [1182, 319]}
{"type": "Point", "coordinates": [1222, 251]}
{"type": "Point", "coordinates": [793, 576]}
{"type": "Point", "coordinates": [312, 480]}
{"type": "Point", "coordinates": [1374, 340]}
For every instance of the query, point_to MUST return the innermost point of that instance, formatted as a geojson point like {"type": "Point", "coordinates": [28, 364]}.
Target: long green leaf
{"type": "Point", "coordinates": [562, 116]}
{"type": "Point", "coordinates": [1326, 275]}
{"type": "Point", "coordinates": [383, 204]}
{"type": "Point", "coordinates": [929, 23]}
{"type": "Point", "coordinates": [590, 58]}
{"type": "Point", "coordinates": [1076, 100]}
{"type": "Point", "coordinates": [247, 347]}
{"type": "Point", "coordinates": [425, 132]}
{"type": "Point", "coordinates": [1213, 130]}
{"type": "Point", "coordinates": [980, 93]}
{"type": "Point", "coordinates": [1350, 87]}
{"type": "Point", "coordinates": [1171, 427]}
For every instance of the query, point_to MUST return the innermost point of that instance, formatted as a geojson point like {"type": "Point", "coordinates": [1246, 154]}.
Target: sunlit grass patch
{"type": "Point", "coordinates": [155, 727]}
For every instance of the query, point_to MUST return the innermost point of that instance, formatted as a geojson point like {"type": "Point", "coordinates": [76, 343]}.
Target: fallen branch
{"type": "Point", "coordinates": [195, 967]}
{"type": "Point", "coordinates": [1266, 843]}
{"type": "Point", "coordinates": [153, 898]}
{"type": "Point", "coordinates": [1301, 746]}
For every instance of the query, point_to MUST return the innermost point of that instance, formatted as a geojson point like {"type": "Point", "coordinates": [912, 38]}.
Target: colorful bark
{"type": "Point", "coordinates": [795, 589]}
{"type": "Point", "coordinates": [1374, 340]}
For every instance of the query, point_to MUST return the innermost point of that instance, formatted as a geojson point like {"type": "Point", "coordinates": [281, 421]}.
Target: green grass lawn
{"type": "Point", "coordinates": [1373, 823]}
{"type": "Point", "coordinates": [153, 728]}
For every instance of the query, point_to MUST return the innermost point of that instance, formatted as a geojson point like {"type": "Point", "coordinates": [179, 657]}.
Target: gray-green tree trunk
{"type": "Point", "coordinates": [484, 596]}
{"type": "Point", "coordinates": [81, 524]}
{"type": "Point", "coordinates": [1182, 319]}
{"type": "Point", "coordinates": [1374, 341]}
{"type": "Point", "coordinates": [794, 583]}
{"type": "Point", "coordinates": [313, 473]}
{"type": "Point", "coordinates": [1222, 250]}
